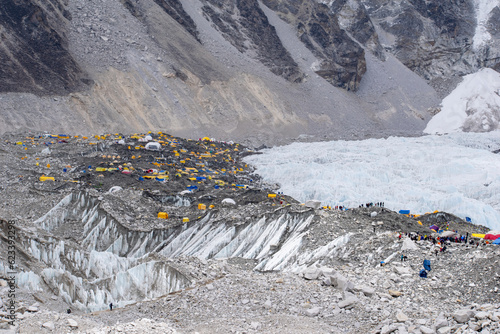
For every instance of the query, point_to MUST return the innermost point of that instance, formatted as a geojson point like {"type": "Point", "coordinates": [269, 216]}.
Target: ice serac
{"type": "Point", "coordinates": [105, 261]}
{"type": "Point", "coordinates": [474, 106]}
{"type": "Point", "coordinates": [456, 173]}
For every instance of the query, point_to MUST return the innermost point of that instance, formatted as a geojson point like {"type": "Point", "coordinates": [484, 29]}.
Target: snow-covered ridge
{"type": "Point", "coordinates": [456, 173]}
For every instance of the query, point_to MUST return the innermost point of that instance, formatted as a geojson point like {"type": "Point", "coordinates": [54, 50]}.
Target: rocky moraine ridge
{"type": "Point", "coordinates": [229, 254]}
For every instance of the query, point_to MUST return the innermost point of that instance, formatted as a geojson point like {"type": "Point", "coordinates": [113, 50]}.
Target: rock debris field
{"type": "Point", "coordinates": [182, 237]}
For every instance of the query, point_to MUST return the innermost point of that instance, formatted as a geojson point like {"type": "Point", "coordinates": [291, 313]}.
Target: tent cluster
{"type": "Point", "coordinates": [493, 236]}
{"type": "Point", "coordinates": [158, 157]}
{"type": "Point", "coordinates": [139, 161]}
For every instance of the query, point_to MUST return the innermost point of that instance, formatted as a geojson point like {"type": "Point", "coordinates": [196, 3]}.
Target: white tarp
{"type": "Point", "coordinates": [153, 146]}
{"type": "Point", "coordinates": [408, 244]}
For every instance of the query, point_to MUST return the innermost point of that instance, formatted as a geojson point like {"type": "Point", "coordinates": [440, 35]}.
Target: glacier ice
{"type": "Point", "coordinates": [111, 263]}
{"type": "Point", "coordinates": [456, 173]}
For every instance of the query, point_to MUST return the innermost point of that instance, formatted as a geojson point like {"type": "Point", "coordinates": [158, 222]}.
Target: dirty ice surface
{"type": "Point", "coordinates": [456, 173]}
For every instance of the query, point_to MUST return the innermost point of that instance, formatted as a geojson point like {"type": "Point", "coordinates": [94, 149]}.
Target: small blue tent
{"type": "Point", "coordinates": [427, 265]}
{"type": "Point", "coordinates": [496, 241]}
{"type": "Point", "coordinates": [423, 273]}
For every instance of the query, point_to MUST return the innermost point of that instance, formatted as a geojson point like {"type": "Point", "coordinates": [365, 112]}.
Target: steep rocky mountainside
{"type": "Point", "coordinates": [34, 55]}
{"type": "Point", "coordinates": [259, 71]}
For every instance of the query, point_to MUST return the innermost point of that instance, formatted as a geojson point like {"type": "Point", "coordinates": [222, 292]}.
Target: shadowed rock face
{"type": "Point", "coordinates": [34, 55]}
{"type": "Point", "coordinates": [432, 38]}
{"type": "Point", "coordinates": [246, 27]}
{"type": "Point", "coordinates": [176, 11]}
{"type": "Point", "coordinates": [342, 59]}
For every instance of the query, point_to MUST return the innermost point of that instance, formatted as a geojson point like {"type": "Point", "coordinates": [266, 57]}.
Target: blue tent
{"type": "Point", "coordinates": [427, 265]}
{"type": "Point", "coordinates": [423, 273]}
{"type": "Point", "coordinates": [496, 241]}
{"type": "Point", "coordinates": [467, 219]}
{"type": "Point", "coordinates": [404, 212]}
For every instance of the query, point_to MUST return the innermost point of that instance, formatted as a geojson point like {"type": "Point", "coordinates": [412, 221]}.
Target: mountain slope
{"type": "Point", "coordinates": [245, 70]}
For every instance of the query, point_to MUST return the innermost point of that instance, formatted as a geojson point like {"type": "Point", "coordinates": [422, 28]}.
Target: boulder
{"type": "Point", "coordinates": [408, 244]}
{"type": "Point", "coordinates": [327, 271]}
{"type": "Point", "coordinates": [268, 304]}
{"type": "Point", "coordinates": [255, 325]}
{"type": "Point", "coordinates": [440, 322]}
{"type": "Point", "coordinates": [341, 283]}
{"type": "Point", "coordinates": [311, 273]}
{"type": "Point", "coordinates": [312, 312]}
{"type": "Point", "coordinates": [402, 270]}
{"type": "Point", "coordinates": [367, 291]}
{"type": "Point", "coordinates": [495, 316]}
{"type": "Point", "coordinates": [388, 329]}
{"type": "Point", "coordinates": [314, 204]}
{"type": "Point", "coordinates": [348, 302]}
{"type": "Point", "coordinates": [327, 281]}
{"type": "Point", "coordinates": [72, 323]}
{"type": "Point", "coordinates": [481, 315]}
{"type": "Point", "coordinates": [395, 293]}
{"type": "Point", "coordinates": [49, 325]}
{"type": "Point", "coordinates": [426, 330]}
{"type": "Point", "coordinates": [462, 316]}
{"type": "Point", "coordinates": [401, 317]}
{"type": "Point", "coordinates": [444, 330]}
{"type": "Point", "coordinates": [32, 309]}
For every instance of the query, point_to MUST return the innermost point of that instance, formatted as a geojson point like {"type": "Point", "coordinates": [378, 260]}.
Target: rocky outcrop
{"type": "Point", "coordinates": [341, 59]}
{"type": "Point", "coordinates": [34, 54]}
{"type": "Point", "coordinates": [246, 27]}
{"type": "Point", "coordinates": [436, 39]}
{"type": "Point", "coordinates": [176, 11]}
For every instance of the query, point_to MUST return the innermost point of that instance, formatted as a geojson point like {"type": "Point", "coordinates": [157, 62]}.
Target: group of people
{"type": "Point", "coordinates": [435, 239]}
{"type": "Point", "coordinates": [371, 204]}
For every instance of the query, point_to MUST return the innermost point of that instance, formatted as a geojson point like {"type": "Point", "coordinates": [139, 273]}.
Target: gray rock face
{"type": "Point", "coordinates": [176, 11]}
{"type": "Point", "coordinates": [342, 59]}
{"type": "Point", "coordinates": [247, 28]}
{"type": "Point", "coordinates": [434, 38]}
{"type": "Point", "coordinates": [35, 56]}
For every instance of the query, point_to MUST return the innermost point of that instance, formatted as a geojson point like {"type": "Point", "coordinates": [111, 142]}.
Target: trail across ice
{"type": "Point", "coordinates": [456, 173]}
